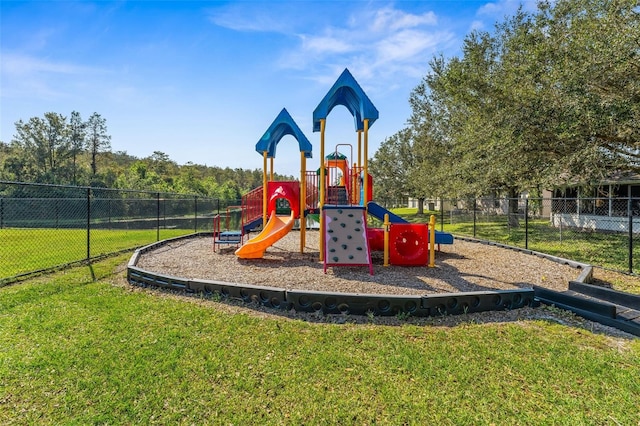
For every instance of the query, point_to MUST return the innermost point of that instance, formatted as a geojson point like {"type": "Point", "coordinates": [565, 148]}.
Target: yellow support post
{"type": "Point", "coordinates": [359, 148]}
{"type": "Point", "coordinates": [386, 225]}
{"type": "Point", "coordinates": [354, 186]}
{"type": "Point", "coordinates": [271, 169]}
{"type": "Point", "coordinates": [366, 162]}
{"type": "Point", "coordinates": [432, 241]}
{"type": "Point", "coordinates": [322, 188]}
{"type": "Point", "coordinates": [303, 198]}
{"type": "Point", "coordinates": [264, 189]}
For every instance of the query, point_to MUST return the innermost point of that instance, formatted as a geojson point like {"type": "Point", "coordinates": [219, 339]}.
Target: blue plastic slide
{"type": "Point", "coordinates": [377, 211]}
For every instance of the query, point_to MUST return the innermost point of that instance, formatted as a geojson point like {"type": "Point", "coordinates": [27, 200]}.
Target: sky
{"type": "Point", "coordinates": [201, 81]}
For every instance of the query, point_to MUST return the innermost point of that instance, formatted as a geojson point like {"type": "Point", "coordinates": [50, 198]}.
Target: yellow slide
{"type": "Point", "coordinates": [276, 228]}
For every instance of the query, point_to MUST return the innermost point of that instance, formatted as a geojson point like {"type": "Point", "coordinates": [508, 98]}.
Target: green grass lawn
{"type": "Point", "coordinates": [78, 351]}
{"type": "Point", "coordinates": [609, 250]}
{"type": "Point", "coordinates": [25, 250]}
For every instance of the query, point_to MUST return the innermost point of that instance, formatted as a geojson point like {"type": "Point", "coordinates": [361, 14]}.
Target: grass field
{"type": "Point", "coordinates": [25, 250]}
{"type": "Point", "coordinates": [78, 351]}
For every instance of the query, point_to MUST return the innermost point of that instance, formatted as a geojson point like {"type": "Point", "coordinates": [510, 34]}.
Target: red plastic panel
{"type": "Point", "coordinates": [376, 239]}
{"type": "Point", "coordinates": [289, 190]}
{"type": "Point", "coordinates": [408, 244]}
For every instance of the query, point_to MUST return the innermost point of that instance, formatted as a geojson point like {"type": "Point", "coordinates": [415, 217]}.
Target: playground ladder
{"type": "Point", "coordinates": [337, 195]}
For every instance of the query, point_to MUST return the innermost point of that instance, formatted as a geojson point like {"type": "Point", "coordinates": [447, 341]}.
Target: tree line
{"type": "Point", "coordinates": [54, 149]}
{"type": "Point", "coordinates": [547, 98]}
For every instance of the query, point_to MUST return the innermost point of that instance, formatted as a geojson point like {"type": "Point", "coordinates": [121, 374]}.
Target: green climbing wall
{"type": "Point", "coordinates": [346, 237]}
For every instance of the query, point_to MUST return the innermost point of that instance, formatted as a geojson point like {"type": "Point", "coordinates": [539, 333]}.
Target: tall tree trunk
{"type": "Point", "coordinates": [94, 166]}
{"type": "Point", "coordinates": [420, 205]}
{"type": "Point", "coordinates": [514, 221]}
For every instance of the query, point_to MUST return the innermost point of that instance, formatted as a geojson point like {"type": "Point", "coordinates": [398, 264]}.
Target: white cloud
{"type": "Point", "coordinates": [381, 44]}
{"type": "Point", "coordinates": [40, 38]}
{"type": "Point", "coordinates": [27, 76]}
{"type": "Point", "coordinates": [502, 8]}
{"type": "Point", "coordinates": [34, 77]}
{"type": "Point", "coordinates": [405, 45]}
{"type": "Point", "coordinates": [477, 25]}
{"type": "Point", "coordinates": [19, 65]}
{"type": "Point", "coordinates": [325, 44]}
{"type": "Point", "coordinates": [258, 23]}
{"type": "Point", "coordinates": [392, 19]}
{"type": "Point", "coordinates": [273, 17]}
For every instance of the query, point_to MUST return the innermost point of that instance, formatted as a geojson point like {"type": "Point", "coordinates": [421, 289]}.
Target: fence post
{"type": "Point", "coordinates": [475, 201]}
{"type": "Point", "coordinates": [1, 213]}
{"type": "Point", "coordinates": [526, 223]}
{"type": "Point", "coordinates": [157, 216]}
{"type": "Point", "coordinates": [441, 214]}
{"type": "Point", "coordinates": [630, 214]}
{"type": "Point", "coordinates": [88, 223]}
{"type": "Point", "coordinates": [195, 226]}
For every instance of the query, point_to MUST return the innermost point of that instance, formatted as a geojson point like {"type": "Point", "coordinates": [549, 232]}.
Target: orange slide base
{"type": "Point", "coordinates": [276, 228]}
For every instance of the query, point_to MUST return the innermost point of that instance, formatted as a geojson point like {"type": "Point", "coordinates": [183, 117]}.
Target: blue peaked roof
{"type": "Point", "coordinates": [347, 92]}
{"type": "Point", "coordinates": [283, 125]}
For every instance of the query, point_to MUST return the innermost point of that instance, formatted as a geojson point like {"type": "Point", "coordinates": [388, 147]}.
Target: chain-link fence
{"type": "Point", "coordinates": [599, 231]}
{"type": "Point", "coordinates": [48, 226]}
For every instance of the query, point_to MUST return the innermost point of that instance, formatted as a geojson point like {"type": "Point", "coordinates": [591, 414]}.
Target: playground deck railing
{"type": "Point", "coordinates": [312, 182]}
{"type": "Point", "coordinates": [252, 206]}
{"type": "Point", "coordinates": [338, 189]}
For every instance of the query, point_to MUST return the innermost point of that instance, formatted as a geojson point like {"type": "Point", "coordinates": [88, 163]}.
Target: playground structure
{"type": "Point", "coordinates": [338, 195]}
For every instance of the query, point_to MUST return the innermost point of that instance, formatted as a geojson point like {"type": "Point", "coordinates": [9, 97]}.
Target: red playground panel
{"type": "Point", "coordinates": [376, 239]}
{"type": "Point", "coordinates": [408, 244]}
{"type": "Point", "coordinates": [289, 190]}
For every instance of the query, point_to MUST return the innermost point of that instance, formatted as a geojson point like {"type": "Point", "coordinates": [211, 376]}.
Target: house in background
{"type": "Point", "coordinates": [432, 204]}
{"type": "Point", "coordinates": [610, 206]}
{"type": "Point", "coordinates": [494, 204]}
{"type": "Point", "coordinates": [607, 206]}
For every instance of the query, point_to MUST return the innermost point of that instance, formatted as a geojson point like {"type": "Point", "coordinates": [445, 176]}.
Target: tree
{"type": "Point", "coordinates": [593, 54]}
{"type": "Point", "coordinates": [391, 166]}
{"type": "Point", "coordinates": [14, 166]}
{"type": "Point", "coordinates": [434, 157]}
{"type": "Point", "coordinates": [97, 139]}
{"type": "Point", "coordinates": [44, 147]}
{"type": "Point", "coordinates": [548, 97]}
{"type": "Point", "coordinates": [228, 191]}
{"type": "Point", "coordinates": [77, 134]}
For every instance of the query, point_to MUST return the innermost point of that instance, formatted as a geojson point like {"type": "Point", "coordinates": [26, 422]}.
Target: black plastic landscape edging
{"type": "Point", "coordinates": [608, 294]}
{"type": "Point", "coordinates": [439, 304]}
{"type": "Point", "coordinates": [574, 299]}
{"type": "Point", "coordinates": [576, 304]}
{"type": "Point", "coordinates": [333, 302]}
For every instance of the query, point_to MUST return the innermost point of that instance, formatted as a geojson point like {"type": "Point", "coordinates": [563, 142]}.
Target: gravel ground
{"type": "Point", "coordinates": [463, 266]}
